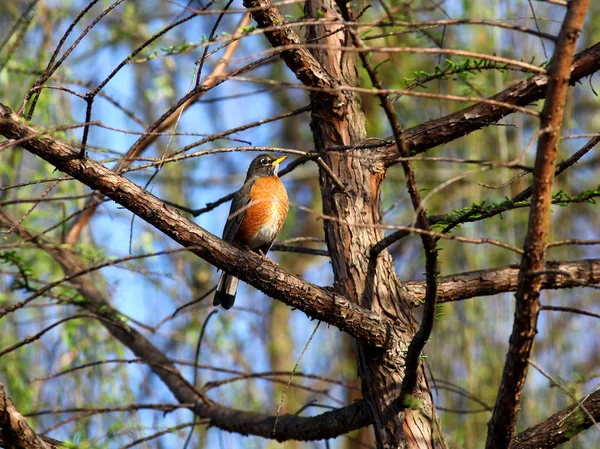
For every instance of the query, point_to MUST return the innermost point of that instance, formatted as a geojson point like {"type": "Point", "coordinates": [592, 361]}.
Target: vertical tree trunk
{"type": "Point", "coordinates": [372, 284]}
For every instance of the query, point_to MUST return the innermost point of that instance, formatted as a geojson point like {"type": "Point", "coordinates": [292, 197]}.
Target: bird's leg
{"type": "Point", "coordinates": [263, 256]}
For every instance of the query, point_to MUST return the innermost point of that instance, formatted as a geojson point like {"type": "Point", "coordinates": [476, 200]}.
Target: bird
{"type": "Point", "coordinates": [258, 211]}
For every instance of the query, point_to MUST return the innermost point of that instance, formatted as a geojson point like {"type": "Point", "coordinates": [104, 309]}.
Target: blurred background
{"type": "Point", "coordinates": [260, 340]}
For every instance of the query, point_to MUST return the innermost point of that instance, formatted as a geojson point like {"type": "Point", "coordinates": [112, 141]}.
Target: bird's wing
{"type": "Point", "coordinates": [239, 205]}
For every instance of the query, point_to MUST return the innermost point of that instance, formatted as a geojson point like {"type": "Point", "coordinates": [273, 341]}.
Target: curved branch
{"type": "Point", "coordinates": [148, 138]}
{"type": "Point", "coordinates": [289, 427]}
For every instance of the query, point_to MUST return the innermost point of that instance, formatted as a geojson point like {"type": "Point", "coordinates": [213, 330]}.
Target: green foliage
{"type": "Point", "coordinates": [451, 71]}
{"type": "Point", "coordinates": [413, 402]}
{"type": "Point", "coordinates": [439, 314]}
{"type": "Point", "coordinates": [93, 254]}
{"type": "Point", "coordinates": [24, 270]}
{"type": "Point", "coordinates": [465, 344]}
{"type": "Point", "coordinates": [478, 211]}
{"type": "Point", "coordinates": [189, 46]}
{"type": "Point", "coordinates": [575, 420]}
{"type": "Point", "coordinates": [563, 198]}
{"type": "Point", "coordinates": [249, 29]}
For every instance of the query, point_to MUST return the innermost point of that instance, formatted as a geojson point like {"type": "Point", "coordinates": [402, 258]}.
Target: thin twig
{"type": "Point", "coordinates": [565, 391]}
{"type": "Point", "coordinates": [291, 376]}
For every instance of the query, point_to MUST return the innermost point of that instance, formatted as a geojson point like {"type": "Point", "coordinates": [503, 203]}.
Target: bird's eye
{"type": "Point", "coordinates": [264, 161]}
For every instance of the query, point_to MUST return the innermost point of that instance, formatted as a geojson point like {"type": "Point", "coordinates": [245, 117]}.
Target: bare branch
{"type": "Point", "coordinates": [573, 310]}
{"type": "Point", "coordinates": [300, 61]}
{"type": "Point", "coordinates": [154, 131]}
{"type": "Point", "coordinates": [446, 129]}
{"type": "Point", "coordinates": [560, 427]}
{"type": "Point", "coordinates": [504, 419]}
{"type": "Point", "coordinates": [456, 287]}
{"type": "Point", "coordinates": [565, 391]}
{"type": "Point", "coordinates": [289, 427]}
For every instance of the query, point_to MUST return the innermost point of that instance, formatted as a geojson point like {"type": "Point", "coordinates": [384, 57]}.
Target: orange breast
{"type": "Point", "coordinates": [265, 215]}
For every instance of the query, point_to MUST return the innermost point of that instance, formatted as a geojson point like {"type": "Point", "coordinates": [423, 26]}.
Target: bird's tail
{"type": "Point", "coordinates": [226, 290]}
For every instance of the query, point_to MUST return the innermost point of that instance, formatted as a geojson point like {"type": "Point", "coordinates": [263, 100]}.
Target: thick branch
{"type": "Point", "coordinates": [561, 426]}
{"type": "Point", "coordinates": [369, 282]}
{"type": "Point", "coordinates": [299, 60]}
{"type": "Point", "coordinates": [435, 132]}
{"type": "Point", "coordinates": [15, 433]}
{"type": "Point", "coordinates": [446, 129]}
{"type": "Point", "coordinates": [367, 326]}
{"type": "Point", "coordinates": [504, 418]}
{"type": "Point", "coordinates": [456, 287]}
{"type": "Point", "coordinates": [289, 427]}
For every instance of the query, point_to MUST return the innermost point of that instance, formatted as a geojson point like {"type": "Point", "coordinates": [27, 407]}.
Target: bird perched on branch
{"type": "Point", "coordinates": [257, 213]}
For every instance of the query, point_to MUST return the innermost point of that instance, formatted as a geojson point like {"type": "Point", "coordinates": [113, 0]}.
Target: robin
{"type": "Point", "coordinates": [257, 213]}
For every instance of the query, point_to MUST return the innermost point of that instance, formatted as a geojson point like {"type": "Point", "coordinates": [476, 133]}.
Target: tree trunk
{"type": "Point", "coordinates": [351, 234]}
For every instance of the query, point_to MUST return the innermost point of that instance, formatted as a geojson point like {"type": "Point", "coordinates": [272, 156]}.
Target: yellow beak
{"type": "Point", "coordinates": [276, 162]}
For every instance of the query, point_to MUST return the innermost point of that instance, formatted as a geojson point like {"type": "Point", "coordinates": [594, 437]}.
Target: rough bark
{"type": "Point", "coordinates": [15, 433]}
{"type": "Point", "coordinates": [459, 286]}
{"type": "Point", "coordinates": [501, 427]}
{"type": "Point", "coordinates": [562, 426]}
{"type": "Point", "coordinates": [331, 306]}
{"type": "Point", "coordinates": [371, 284]}
{"type": "Point", "coordinates": [465, 121]}
{"type": "Point", "coordinates": [388, 325]}
{"type": "Point", "coordinates": [325, 305]}
{"type": "Point", "coordinates": [289, 427]}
